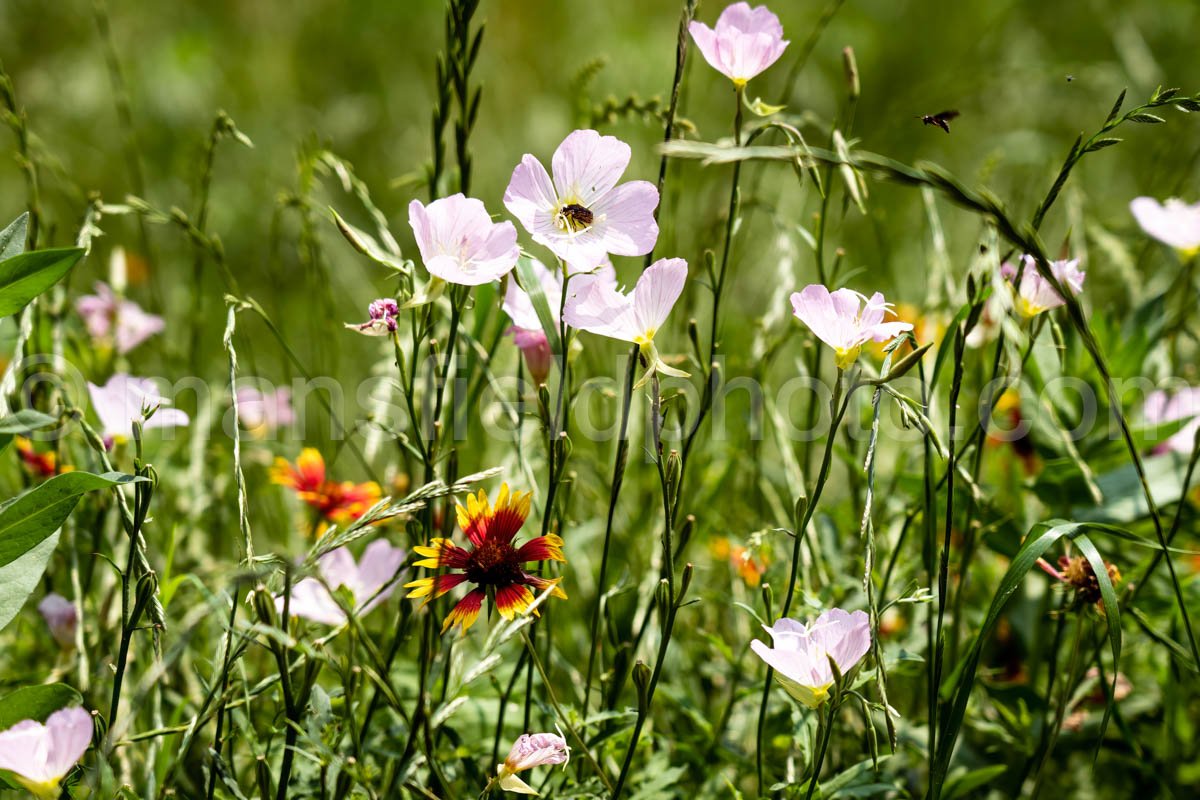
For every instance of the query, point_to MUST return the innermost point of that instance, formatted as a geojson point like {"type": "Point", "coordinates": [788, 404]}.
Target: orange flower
{"type": "Point", "coordinates": [44, 465]}
{"type": "Point", "coordinates": [493, 563]}
{"type": "Point", "coordinates": [750, 567]}
{"type": "Point", "coordinates": [339, 502]}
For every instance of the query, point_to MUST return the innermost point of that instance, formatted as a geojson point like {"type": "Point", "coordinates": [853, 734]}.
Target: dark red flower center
{"type": "Point", "coordinates": [494, 564]}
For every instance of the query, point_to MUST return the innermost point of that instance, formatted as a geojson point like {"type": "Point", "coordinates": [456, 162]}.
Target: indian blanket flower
{"type": "Point", "coordinates": [40, 755]}
{"type": "Point", "coordinates": [582, 215]}
{"type": "Point", "coordinates": [339, 502]}
{"type": "Point", "coordinates": [636, 317]}
{"type": "Point", "coordinates": [493, 564]}
{"type": "Point", "coordinates": [112, 318]}
{"type": "Point", "coordinates": [845, 320]}
{"type": "Point", "coordinates": [61, 618]}
{"type": "Point", "coordinates": [526, 329]}
{"type": "Point", "coordinates": [125, 399]}
{"type": "Point", "coordinates": [745, 42]}
{"type": "Point", "coordinates": [370, 580]}
{"type": "Point", "coordinates": [1034, 293]}
{"type": "Point", "coordinates": [42, 464]}
{"type": "Point", "coordinates": [1161, 408]}
{"type": "Point", "coordinates": [1174, 222]}
{"type": "Point", "coordinates": [264, 412]}
{"type": "Point", "coordinates": [459, 243]}
{"type": "Point", "coordinates": [528, 751]}
{"type": "Point", "coordinates": [801, 653]}
{"type": "Point", "coordinates": [382, 318]}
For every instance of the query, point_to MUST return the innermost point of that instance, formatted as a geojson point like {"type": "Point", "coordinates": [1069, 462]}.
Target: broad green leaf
{"type": "Point", "coordinates": [27, 275]}
{"type": "Point", "coordinates": [36, 702]}
{"type": "Point", "coordinates": [35, 515]}
{"type": "Point", "coordinates": [12, 238]}
{"type": "Point", "coordinates": [19, 579]}
{"type": "Point", "coordinates": [961, 784]}
{"type": "Point", "coordinates": [24, 421]}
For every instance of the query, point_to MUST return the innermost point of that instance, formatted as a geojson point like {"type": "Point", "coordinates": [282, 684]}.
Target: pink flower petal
{"type": "Point", "coordinates": [587, 166]}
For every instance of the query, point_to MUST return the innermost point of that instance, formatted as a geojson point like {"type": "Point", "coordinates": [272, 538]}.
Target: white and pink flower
{"type": "Point", "coordinates": [110, 318]}
{"type": "Point", "coordinates": [800, 654]}
{"type": "Point", "coordinates": [265, 412]}
{"type": "Point", "coordinates": [1173, 223]}
{"type": "Point", "coordinates": [371, 580]}
{"type": "Point", "coordinates": [61, 618]}
{"type": "Point", "coordinates": [528, 751]}
{"type": "Point", "coordinates": [125, 399]}
{"type": "Point", "coordinates": [460, 243]}
{"type": "Point", "coordinates": [39, 755]}
{"type": "Point", "coordinates": [845, 320]}
{"type": "Point", "coordinates": [744, 43]}
{"type": "Point", "coordinates": [636, 316]}
{"type": "Point", "coordinates": [582, 215]}
{"type": "Point", "coordinates": [1035, 294]}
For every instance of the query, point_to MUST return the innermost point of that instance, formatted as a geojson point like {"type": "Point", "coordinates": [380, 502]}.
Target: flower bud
{"type": "Point", "coordinates": [851, 67]}
{"type": "Point", "coordinates": [641, 680]}
{"type": "Point", "coordinates": [61, 618]}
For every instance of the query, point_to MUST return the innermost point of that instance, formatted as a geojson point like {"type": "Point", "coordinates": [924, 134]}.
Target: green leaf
{"type": "Point", "coordinates": [24, 421]}
{"type": "Point", "coordinates": [366, 244]}
{"type": "Point", "coordinates": [41, 511]}
{"type": "Point", "coordinates": [29, 532]}
{"type": "Point", "coordinates": [36, 703]}
{"type": "Point", "coordinates": [1112, 615]}
{"type": "Point", "coordinates": [27, 275]}
{"type": "Point", "coordinates": [533, 287]}
{"type": "Point", "coordinates": [12, 238]}
{"type": "Point", "coordinates": [962, 784]}
{"type": "Point", "coordinates": [19, 579]}
{"type": "Point", "coordinates": [1100, 144]}
{"type": "Point", "coordinates": [1146, 119]}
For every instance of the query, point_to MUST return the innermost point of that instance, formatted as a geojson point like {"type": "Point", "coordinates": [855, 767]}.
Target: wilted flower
{"type": "Point", "coordinates": [801, 654]}
{"type": "Point", "coordinates": [370, 581]}
{"type": "Point", "coordinates": [40, 755]}
{"type": "Point", "coordinates": [61, 618]}
{"type": "Point", "coordinates": [336, 501]}
{"type": "Point", "coordinates": [123, 399]}
{"type": "Point", "coordinates": [107, 316]}
{"type": "Point", "coordinates": [459, 243]}
{"type": "Point", "coordinates": [582, 215]}
{"type": "Point", "coordinates": [1161, 408]}
{"type": "Point", "coordinates": [42, 464]}
{"type": "Point", "coordinates": [634, 317]}
{"type": "Point", "coordinates": [528, 751]}
{"type": "Point", "coordinates": [745, 42]}
{"type": "Point", "coordinates": [382, 321]}
{"type": "Point", "coordinates": [1077, 573]}
{"type": "Point", "coordinates": [1035, 294]}
{"type": "Point", "coordinates": [493, 563]}
{"type": "Point", "coordinates": [527, 330]}
{"type": "Point", "coordinates": [840, 320]}
{"type": "Point", "coordinates": [263, 412]}
{"type": "Point", "coordinates": [1174, 222]}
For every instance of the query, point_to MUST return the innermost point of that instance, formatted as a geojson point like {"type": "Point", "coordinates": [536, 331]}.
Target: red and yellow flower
{"type": "Point", "coordinates": [43, 465]}
{"type": "Point", "coordinates": [493, 564]}
{"type": "Point", "coordinates": [339, 502]}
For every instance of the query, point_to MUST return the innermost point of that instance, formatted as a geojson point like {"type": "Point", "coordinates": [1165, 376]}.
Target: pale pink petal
{"type": "Point", "coordinates": [706, 41]}
{"type": "Point", "coordinates": [312, 601]}
{"type": "Point", "coordinates": [337, 567]}
{"type": "Point", "coordinates": [519, 306]}
{"type": "Point", "coordinates": [530, 196]}
{"type": "Point", "coordinates": [587, 166]}
{"type": "Point", "coordinates": [741, 18]}
{"type": "Point", "coordinates": [69, 731]}
{"type": "Point", "coordinates": [815, 307]}
{"type": "Point", "coordinates": [536, 750]}
{"type": "Point", "coordinates": [24, 749]}
{"type": "Point", "coordinates": [1174, 223]}
{"type": "Point", "coordinates": [845, 636]}
{"type": "Point", "coordinates": [656, 292]}
{"type": "Point", "coordinates": [135, 326]}
{"type": "Point", "coordinates": [602, 310]}
{"type": "Point", "coordinates": [378, 567]}
{"type": "Point", "coordinates": [626, 219]}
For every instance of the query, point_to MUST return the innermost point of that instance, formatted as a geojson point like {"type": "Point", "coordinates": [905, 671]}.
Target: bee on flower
{"type": "Point", "coordinates": [339, 502]}
{"type": "Point", "coordinates": [493, 564]}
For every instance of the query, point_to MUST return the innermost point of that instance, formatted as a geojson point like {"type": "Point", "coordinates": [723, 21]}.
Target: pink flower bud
{"type": "Point", "coordinates": [60, 616]}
